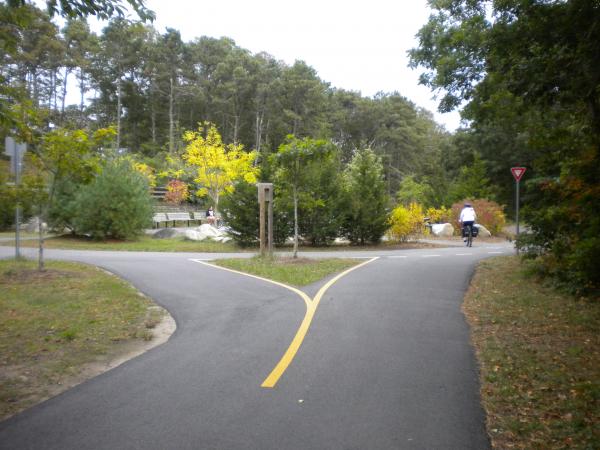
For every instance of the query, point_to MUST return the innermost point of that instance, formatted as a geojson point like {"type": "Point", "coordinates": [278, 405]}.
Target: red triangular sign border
{"type": "Point", "coordinates": [518, 172]}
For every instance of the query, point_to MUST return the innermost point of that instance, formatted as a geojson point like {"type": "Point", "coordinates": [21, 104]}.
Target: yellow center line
{"type": "Point", "coordinates": [311, 308]}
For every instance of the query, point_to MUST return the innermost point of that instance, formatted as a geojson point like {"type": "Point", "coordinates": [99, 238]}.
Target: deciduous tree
{"type": "Point", "coordinates": [217, 166]}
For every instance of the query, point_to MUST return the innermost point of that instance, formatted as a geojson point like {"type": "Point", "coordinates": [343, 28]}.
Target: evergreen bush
{"type": "Point", "coordinates": [7, 203]}
{"type": "Point", "coordinates": [116, 204]}
{"type": "Point", "coordinates": [240, 213]}
{"type": "Point", "coordinates": [366, 199]}
{"type": "Point", "coordinates": [63, 210]}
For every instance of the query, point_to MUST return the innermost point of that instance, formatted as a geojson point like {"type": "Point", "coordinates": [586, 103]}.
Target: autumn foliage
{"type": "Point", "coordinates": [406, 221]}
{"type": "Point", "coordinates": [489, 214]}
{"type": "Point", "coordinates": [177, 192]}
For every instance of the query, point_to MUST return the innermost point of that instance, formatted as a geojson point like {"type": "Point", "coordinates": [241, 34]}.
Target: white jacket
{"type": "Point", "coordinates": [467, 215]}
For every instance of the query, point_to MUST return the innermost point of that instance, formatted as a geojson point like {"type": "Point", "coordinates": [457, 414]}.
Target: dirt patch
{"type": "Point", "coordinates": [33, 275]}
{"type": "Point", "coordinates": [123, 353]}
{"type": "Point", "coordinates": [26, 385]}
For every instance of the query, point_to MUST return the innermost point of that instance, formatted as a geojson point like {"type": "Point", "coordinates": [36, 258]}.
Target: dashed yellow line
{"type": "Point", "coordinates": [311, 308]}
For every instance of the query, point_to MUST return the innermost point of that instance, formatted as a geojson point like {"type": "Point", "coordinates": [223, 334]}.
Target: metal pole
{"type": "Point", "coordinates": [16, 162]}
{"type": "Point", "coordinates": [517, 215]}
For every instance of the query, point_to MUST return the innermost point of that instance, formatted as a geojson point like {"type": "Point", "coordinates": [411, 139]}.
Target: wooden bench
{"type": "Point", "coordinates": [158, 218]}
{"type": "Point", "coordinates": [200, 216]}
{"type": "Point", "coordinates": [180, 217]}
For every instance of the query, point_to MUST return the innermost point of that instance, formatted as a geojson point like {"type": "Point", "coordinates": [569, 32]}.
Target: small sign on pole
{"type": "Point", "coordinates": [16, 151]}
{"type": "Point", "coordinates": [517, 173]}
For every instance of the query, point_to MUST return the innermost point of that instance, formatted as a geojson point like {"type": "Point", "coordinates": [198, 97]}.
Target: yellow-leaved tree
{"type": "Point", "coordinates": [217, 166]}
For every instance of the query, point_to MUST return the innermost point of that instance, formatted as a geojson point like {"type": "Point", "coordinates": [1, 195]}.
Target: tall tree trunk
{"type": "Point", "coordinates": [153, 122]}
{"type": "Point", "coordinates": [64, 94]}
{"type": "Point", "coordinates": [118, 142]}
{"type": "Point", "coordinates": [171, 118]}
{"type": "Point", "coordinates": [259, 122]}
{"type": "Point", "coordinates": [55, 89]}
{"type": "Point", "coordinates": [81, 90]}
{"type": "Point", "coordinates": [236, 124]}
{"type": "Point", "coordinates": [34, 88]}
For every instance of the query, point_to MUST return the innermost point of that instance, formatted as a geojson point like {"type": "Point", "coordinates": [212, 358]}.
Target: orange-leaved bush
{"type": "Point", "coordinates": [489, 214]}
{"type": "Point", "coordinates": [177, 192]}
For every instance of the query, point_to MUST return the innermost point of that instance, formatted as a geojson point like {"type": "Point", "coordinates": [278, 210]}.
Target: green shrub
{"type": "Point", "coordinates": [240, 212]}
{"type": "Point", "coordinates": [365, 199]}
{"type": "Point", "coordinates": [115, 204]}
{"type": "Point", "coordinates": [7, 203]}
{"type": "Point", "coordinates": [63, 210]}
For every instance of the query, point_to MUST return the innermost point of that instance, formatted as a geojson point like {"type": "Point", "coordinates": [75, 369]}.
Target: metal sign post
{"type": "Point", "coordinates": [16, 151]}
{"type": "Point", "coordinates": [517, 174]}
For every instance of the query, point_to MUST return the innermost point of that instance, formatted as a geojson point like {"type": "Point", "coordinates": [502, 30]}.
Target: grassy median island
{"type": "Point", "coordinates": [60, 322]}
{"type": "Point", "coordinates": [292, 271]}
{"type": "Point", "coordinates": [539, 354]}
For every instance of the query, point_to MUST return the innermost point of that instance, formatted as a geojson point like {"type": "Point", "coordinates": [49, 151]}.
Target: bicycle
{"type": "Point", "coordinates": [469, 232]}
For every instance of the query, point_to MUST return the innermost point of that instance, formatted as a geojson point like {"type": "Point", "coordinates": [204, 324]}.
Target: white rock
{"type": "Point", "coordinates": [194, 235]}
{"type": "Point", "coordinates": [32, 226]}
{"type": "Point", "coordinates": [483, 231]}
{"type": "Point", "coordinates": [442, 229]}
{"type": "Point", "coordinates": [207, 231]}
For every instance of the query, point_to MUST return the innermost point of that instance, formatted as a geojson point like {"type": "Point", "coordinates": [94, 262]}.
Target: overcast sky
{"type": "Point", "coordinates": [359, 46]}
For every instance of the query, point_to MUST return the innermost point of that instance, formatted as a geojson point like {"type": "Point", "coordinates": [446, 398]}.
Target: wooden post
{"type": "Point", "coordinates": [270, 226]}
{"type": "Point", "coordinates": [265, 231]}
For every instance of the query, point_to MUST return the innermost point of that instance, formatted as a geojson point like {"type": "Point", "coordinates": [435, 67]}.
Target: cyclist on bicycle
{"type": "Point", "coordinates": [467, 218]}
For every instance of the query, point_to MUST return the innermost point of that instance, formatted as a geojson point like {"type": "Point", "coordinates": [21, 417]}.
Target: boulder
{"type": "Point", "coordinates": [207, 231]}
{"type": "Point", "coordinates": [32, 225]}
{"type": "Point", "coordinates": [194, 235]}
{"type": "Point", "coordinates": [165, 233]}
{"type": "Point", "coordinates": [483, 231]}
{"type": "Point", "coordinates": [442, 229]}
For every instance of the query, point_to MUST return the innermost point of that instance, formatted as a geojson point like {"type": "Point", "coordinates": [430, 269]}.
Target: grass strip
{"type": "Point", "coordinates": [539, 355]}
{"type": "Point", "coordinates": [291, 271]}
{"type": "Point", "coordinates": [141, 244]}
{"type": "Point", "coordinates": [54, 322]}
{"type": "Point", "coordinates": [180, 244]}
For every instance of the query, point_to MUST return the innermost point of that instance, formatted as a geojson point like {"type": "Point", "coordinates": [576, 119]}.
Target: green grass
{"type": "Point", "coordinates": [180, 244]}
{"type": "Point", "coordinates": [22, 235]}
{"type": "Point", "coordinates": [141, 244]}
{"type": "Point", "coordinates": [53, 322]}
{"type": "Point", "coordinates": [539, 353]}
{"type": "Point", "coordinates": [295, 272]}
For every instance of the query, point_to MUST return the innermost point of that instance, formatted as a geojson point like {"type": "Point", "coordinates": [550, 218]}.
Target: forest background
{"type": "Point", "coordinates": [524, 71]}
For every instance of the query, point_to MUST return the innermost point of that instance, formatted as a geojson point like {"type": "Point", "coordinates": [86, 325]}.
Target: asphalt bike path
{"type": "Point", "coordinates": [385, 363]}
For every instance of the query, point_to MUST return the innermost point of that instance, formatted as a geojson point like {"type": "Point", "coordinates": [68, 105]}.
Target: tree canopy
{"type": "Point", "coordinates": [527, 74]}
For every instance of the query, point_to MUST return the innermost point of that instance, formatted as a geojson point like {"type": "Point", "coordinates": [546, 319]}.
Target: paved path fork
{"type": "Point", "coordinates": [386, 363]}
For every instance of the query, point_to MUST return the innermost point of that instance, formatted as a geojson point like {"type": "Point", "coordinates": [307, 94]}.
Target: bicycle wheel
{"type": "Point", "coordinates": [469, 236]}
